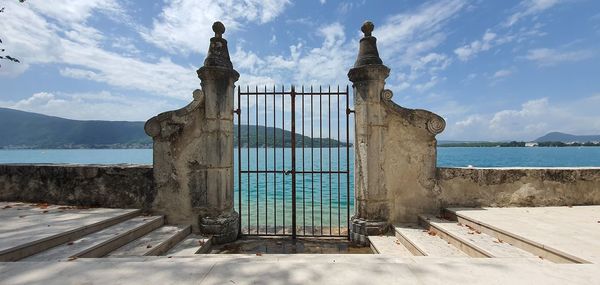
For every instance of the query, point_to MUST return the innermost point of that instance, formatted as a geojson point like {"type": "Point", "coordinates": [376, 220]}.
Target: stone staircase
{"type": "Point", "coordinates": [124, 235]}
{"type": "Point", "coordinates": [454, 235]}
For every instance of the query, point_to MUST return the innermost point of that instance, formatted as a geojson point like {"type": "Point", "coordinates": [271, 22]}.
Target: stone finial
{"type": "Point", "coordinates": [219, 29]}
{"type": "Point", "coordinates": [367, 53]}
{"type": "Point", "coordinates": [367, 28]}
{"type": "Point", "coordinates": [218, 54]}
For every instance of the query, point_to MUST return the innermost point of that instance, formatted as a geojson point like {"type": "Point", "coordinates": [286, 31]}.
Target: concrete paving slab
{"type": "Point", "coordinates": [572, 230]}
{"type": "Point", "coordinates": [191, 245]}
{"type": "Point", "coordinates": [38, 227]}
{"type": "Point", "coordinates": [388, 245]}
{"type": "Point", "coordinates": [101, 238]}
{"type": "Point", "coordinates": [326, 269]}
{"type": "Point", "coordinates": [424, 242]}
{"type": "Point", "coordinates": [471, 241]}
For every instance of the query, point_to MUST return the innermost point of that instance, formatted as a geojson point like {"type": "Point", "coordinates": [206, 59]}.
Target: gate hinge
{"type": "Point", "coordinates": [349, 111]}
{"type": "Point", "coordinates": [237, 111]}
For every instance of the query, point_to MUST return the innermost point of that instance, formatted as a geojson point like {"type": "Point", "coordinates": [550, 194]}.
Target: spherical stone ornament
{"type": "Point", "coordinates": [367, 28]}
{"type": "Point", "coordinates": [218, 28]}
{"type": "Point", "coordinates": [436, 125]}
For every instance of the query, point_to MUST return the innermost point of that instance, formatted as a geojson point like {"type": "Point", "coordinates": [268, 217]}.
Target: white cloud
{"type": "Point", "coordinates": [468, 51]}
{"type": "Point", "coordinates": [407, 41]}
{"type": "Point", "coordinates": [533, 119]}
{"type": "Point", "coordinates": [184, 26]}
{"type": "Point", "coordinates": [90, 106]}
{"type": "Point", "coordinates": [550, 57]}
{"type": "Point", "coordinates": [41, 41]}
{"type": "Point", "coordinates": [502, 73]}
{"type": "Point", "coordinates": [529, 8]}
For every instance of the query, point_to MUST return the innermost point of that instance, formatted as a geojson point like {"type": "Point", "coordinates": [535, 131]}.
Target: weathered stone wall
{"type": "Point", "coordinates": [504, 187]}
{"type": "Point", "coordinates": [111, 186]}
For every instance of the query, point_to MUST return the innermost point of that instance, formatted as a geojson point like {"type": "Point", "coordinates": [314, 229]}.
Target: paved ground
{"type": "Point", "coordinates": [574, 230]}
{"type": "Point", "coordinates": [571, 229]}
{"type": "Point", "coordinates": [298, 269]}
{"type": "Point", "coordinates": [23, 223]}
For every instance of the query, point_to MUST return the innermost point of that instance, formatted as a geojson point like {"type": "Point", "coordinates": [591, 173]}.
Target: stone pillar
{"type": "Point", "coordinates": [394, 150]}
{"type": "Point", "coordinates": [193, 151]}
{"type": "Point", "coordinates": [368, 78]}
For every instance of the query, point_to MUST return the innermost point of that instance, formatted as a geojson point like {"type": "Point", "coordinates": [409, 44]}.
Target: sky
{"type": "Point", "coordinates": [494, 70]}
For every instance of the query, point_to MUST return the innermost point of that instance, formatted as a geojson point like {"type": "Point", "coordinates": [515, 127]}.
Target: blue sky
{"type": "Point", "coordinates": [495, 70]}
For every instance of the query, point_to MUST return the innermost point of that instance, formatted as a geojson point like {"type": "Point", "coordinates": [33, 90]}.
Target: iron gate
{"type": "Point", "coordinates": [293, 175]}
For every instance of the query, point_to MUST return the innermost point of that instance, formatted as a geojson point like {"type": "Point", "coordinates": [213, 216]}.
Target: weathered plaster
{"type": "Point", "coordinates": [109, 186]}
{"type": "Point", "coordinates": [509, 187]}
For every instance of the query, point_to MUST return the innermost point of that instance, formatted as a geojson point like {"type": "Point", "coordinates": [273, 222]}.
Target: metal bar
{"type": "Point", "coordinates": [283, 149]}
{"type": "Point", "coordinates": [297, 171]}
{"type": "Point", "coordinates": [266, 174]}
{"type": "Point", "coordinates": [329, 160]}
{"type": "Point", "coordinates": [257, 176]}
{"type": "Point", "coordinates": [274, 163]}
{"type": "Point", "coordinates": [248, 162]}
{"type": "Point", "coordinates": [293, 98]}
{"type": "Point", "coordinates": [288, 93]}
{"type": "Point", "coordinates": [239, 146]}
{"type": "Point", "coordinates": [348, 161]}
{"type": "Point", "coordinates": [338, 163]}
{"type": "Point", "coordinates": [312, 164]}
{"type": "Point", "coordinates": [303, 158]}
{"type": "Point", "coordinates": [321, 154]}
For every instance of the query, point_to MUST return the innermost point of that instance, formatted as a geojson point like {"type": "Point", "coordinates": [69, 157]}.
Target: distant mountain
{"type": "Point", "coordinates": [253, 136]}
{"type": "Point", "coordinates": [566, 138]}
{"type": "Point", "coordinates": [19, 129]}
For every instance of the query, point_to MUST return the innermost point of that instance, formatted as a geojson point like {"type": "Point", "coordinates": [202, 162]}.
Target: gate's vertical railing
{"type": "Point", "coordinates": [265, 199]}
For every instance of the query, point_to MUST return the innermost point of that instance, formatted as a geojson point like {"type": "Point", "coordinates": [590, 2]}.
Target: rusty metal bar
{"type": "Point", "coordinates": [283, 150]}
{"type": "Point", "coordinates": [339, 201]}
{"type": "Point", "coordinates": [348, 160]}
{"type": "Point", "coordinates": [321, 154]}
{"type": "Point", "coordinates": [312, 163]}
{"type": "Point", "coordinates": [257, 175]}
{"type": "Point", "coordinates": [303, 158]}
{"type": "Point", "coordinates": [239, 146]}
{"type": "Point", "coordinates": [248, 150]}
{"type": "Point", "coordinates": [329, 150]}
{"type": "Point", "coordinates": [293, 99]}
{"type": "Point", "coordinates": [266, 174]}
{"type": "Point", "coordinates": [274, 162]}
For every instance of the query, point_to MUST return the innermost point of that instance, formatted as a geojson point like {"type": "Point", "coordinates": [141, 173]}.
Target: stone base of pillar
{"type": "Point", "coordinates": [223, 229]}
{"type": "Point", "coordinates": [360, 229]}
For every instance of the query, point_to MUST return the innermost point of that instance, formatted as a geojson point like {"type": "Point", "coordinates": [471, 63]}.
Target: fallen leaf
{"type": "Point", "coordinates": [72, 258]}
{"type": "Point", "coordinates": [70, 243]}
{"type": "Point", "coordinates": [431, 233]}
{"type": "Point", "coordinates": [201, 242]}
{"type": "Point", "coordinates": [258, 254]}
{"type": "Point", "coordinates": [149, 246]}
{"type": "Point", "coordinates": [22, 216]}
{"type": "Point", "coordinates": [45, 211]}
{"type": "Point", "coordinates": [7, 207]}
{"type": "Point", "coordinates": [169, 257]}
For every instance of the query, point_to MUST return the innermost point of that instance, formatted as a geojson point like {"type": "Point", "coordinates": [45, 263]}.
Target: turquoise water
{"type": "Point", "coordinates": [447, 156]}
{"type": "Point", "coordinates": [268, 199]}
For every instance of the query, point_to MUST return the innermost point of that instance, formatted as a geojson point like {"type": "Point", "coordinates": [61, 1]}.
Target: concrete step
{"type": "Point", "coordinates": [101, 243]}
{"type": "Point", "coordinates": [421, 242]}
{"type": "Point", "coordinates": [471, 241]}
{"type": "Point", "coordinates": [34, 231]}
{"type": "Point", "coordinates": [535, 248]}
{"type": "Point", "coordinates": [156, 242]}
{"type": "Point", "coordinates": [193, 244]}
{"type": "Point", "coordinates": [388, 245]}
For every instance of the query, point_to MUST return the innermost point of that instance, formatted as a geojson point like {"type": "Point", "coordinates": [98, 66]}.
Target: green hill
{"type": "Point", "coordinates": [262, 137]}
{"type": "Point", "coordinates": [19, 129]}
{"type": "Point", "coordinates": [567, 138]}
